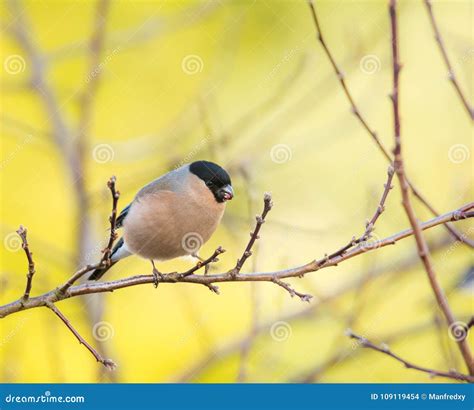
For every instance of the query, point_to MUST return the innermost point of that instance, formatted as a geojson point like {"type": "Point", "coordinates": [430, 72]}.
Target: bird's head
{"type": "Point", "coordinates": [216, 179]}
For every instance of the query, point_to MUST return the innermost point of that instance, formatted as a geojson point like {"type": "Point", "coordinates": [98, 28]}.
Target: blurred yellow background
{"type": "Point", "coordinates": [247, 85]}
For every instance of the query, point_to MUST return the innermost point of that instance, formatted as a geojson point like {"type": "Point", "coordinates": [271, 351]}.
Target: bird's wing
{"type": "Point", "coordinates": [122, 216]}
{"type": "Point", "coordinates": [154, 186]}
{"type": "Point", "coordinates": [174, 181]}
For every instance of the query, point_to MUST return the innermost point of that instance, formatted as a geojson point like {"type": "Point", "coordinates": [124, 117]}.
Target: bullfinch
{"type": "Point", "coordinates": [173, 215]}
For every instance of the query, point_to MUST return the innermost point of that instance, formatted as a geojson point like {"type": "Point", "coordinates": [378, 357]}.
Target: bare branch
{"type": "Point", "coordinates": [31, 264]}
{"type": "Point", "coordinates": [447, 62]}
{"type": "Point", "coordinates": [267, 206]}
{"type": "Point", "coordinates": [304, 297]}
{"type": "Point", "coordinates": [77, 275]}
{"type": "Point", "coordinates": [113, 220]}
{"type": "Point", "coordinates": [432, 372]}
{"type": "Point", "coordinates": [311, 312]}
{"type": "Point", "coordinates": [356, 111]}
{"type": "Point", "coordinates": [105, 261]}
{"type": "Point", "coordinates": [109, 364]}
{"type": "Point", "coordinates": [202, 264]}
{"type": "Point", "coordinates": [381, 207]}
{"type": "Point", "coordinates": [254, 303]}
{"type": "Point", "coordinates": [370, 226]}
{"type": "Point", "coordinates": [422, 247]}
{"type": "Point", "coordinates": [208, 280]}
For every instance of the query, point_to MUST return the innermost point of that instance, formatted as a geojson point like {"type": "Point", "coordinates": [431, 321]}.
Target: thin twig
{"type": "Point", "coordinates": [311, 312]}
{"type": "Point", "coordinates": [105, 261]}
{"type": "Point", "coordinates": [422, 247]}
{"type": "Point", "coordinates": [254, 316]}
{"type": "Point", "coordinates": [345, 354]}
{"type": "Point", "coordinates": [304, 297]}
{"type": "Point", "coordinates": [22, 232]}
{"type": "Point", "coordinates": [109, 364]}
{"type": "Point", "coordinates": [370, 225]}
{"type": "Point", "coordinates": [267, 206]}
{"type": "Point", "coordinates": [207, 280]}
{"type": "Point", "coordinates": [202, 264]}
{"type": "Point", "coordinates": [442, 48]}
{"type": "Point", "coordinates": [381, 206]}
{"type": "Point", "coordinates": [432, 372]}
{"type": "Point", "coordinates": [107, 252]}
{"type": "Point", "coordinates": [356, 111]}
{"type": "Point", "coordinates": [77, 275]}
{"type": "Point", "coordinates": [71, 140]}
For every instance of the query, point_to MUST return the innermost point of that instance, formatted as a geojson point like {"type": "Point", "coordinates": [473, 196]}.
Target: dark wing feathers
{"type": "Point", "coordinates": [122, 216]}
{"type": "Point", "coordinates": [99, 272]}
{"type": "Point", "coordinates": [117, 246]}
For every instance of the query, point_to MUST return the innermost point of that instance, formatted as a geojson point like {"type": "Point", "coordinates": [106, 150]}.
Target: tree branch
{"type": "Point", "coordinates": [105, 261]}
{"type": "Point", "coordinates": [370, 225]}
{"type": "Point", "coordinates": [422, 247]}
{"type": "Point", "coordinates": [22, 232]}
{"type": "Point", "coordinates": [432, 372]}
{"type": "Point", "coordinates": [202, 264]}
{"type": "Point", "coordinates": [313, 310]}
{"type": "Point", "coordinates": [356, 111]}
{"type": "Point", "coordinates": [107, 252]}
{"type": "Point", "coordinates": [106, 362]}
{"type": "Point", "coordinates": [267, 206]}
{"type": "Point", "coordinates": [304, 297]}
{"type": "Point", "coordinates": [447, 62]}
{"type": "Point", "coordinates": [71, 140]}
{"type": "Point", "coordinates": [207, 280]}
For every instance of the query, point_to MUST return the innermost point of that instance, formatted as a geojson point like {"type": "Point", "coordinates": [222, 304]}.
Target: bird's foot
{"type": "Point", "coordinates": [157, 277]}
{"type": "Point", "coordinates": [201, 262]}
{"type": "Point", "coordinates": [196, 256]}
{"type": "Point", "coordinates": [206, 269]}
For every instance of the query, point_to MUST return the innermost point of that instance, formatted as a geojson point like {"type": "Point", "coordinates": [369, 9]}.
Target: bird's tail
{"type": "Point", "coordinates": [99, 272]}
{"type": "Point", "coordinates": [120, 251]}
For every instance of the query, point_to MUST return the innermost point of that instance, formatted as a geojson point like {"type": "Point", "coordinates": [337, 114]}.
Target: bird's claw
{"type": "Point", "coordinates": [157, 277]}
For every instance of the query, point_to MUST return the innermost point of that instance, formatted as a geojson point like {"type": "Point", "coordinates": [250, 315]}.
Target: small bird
{"type": "Point", "coordinates": [173, 215]}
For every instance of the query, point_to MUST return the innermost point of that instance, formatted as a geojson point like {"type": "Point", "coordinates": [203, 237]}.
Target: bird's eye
{"type": "Point", "coordinates": [209, 183]}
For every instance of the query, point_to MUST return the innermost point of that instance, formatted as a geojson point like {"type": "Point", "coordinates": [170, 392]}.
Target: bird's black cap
{"type": "Point", "coordinates": [215, 177]}
{"type": "Point", "coordinates": [210, 172]}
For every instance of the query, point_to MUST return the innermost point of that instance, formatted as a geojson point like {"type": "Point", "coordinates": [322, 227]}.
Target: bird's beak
{"type": "Point", "coordinates": [228, 192]}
